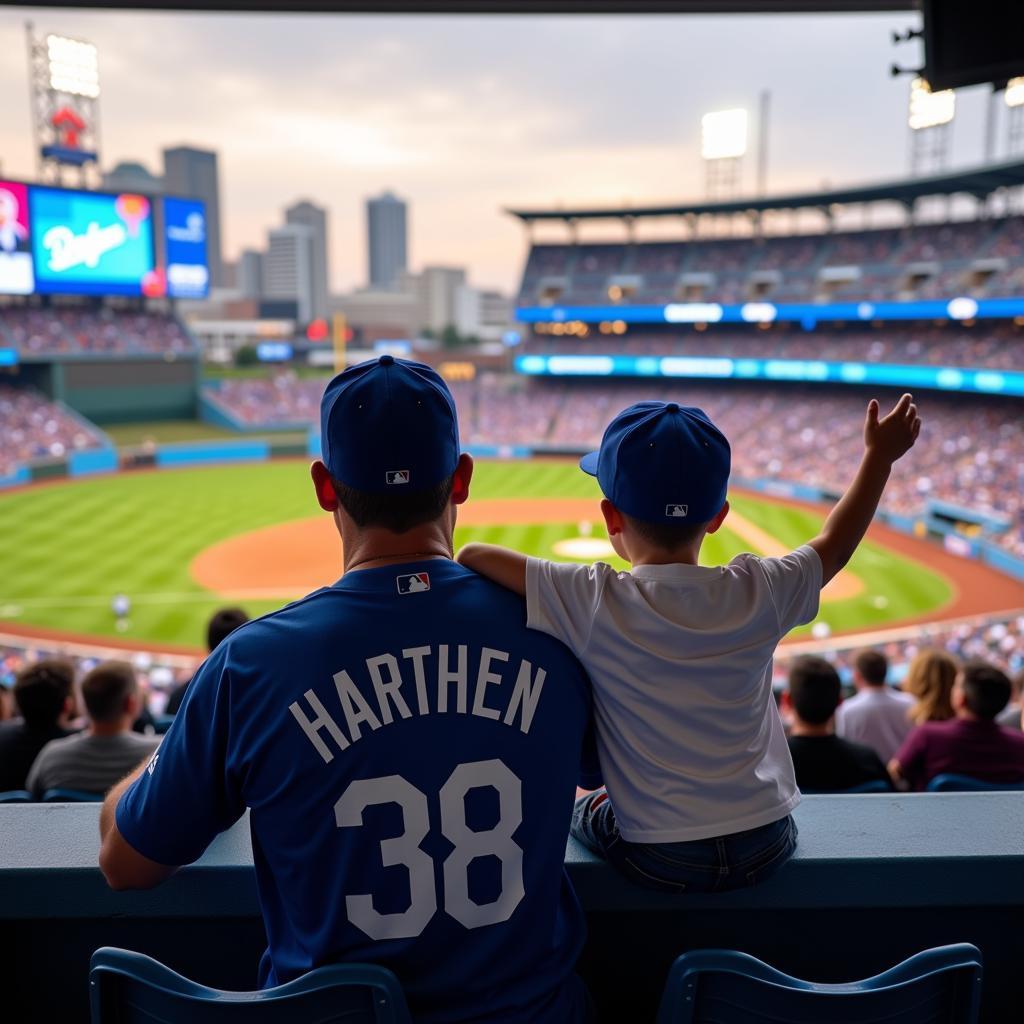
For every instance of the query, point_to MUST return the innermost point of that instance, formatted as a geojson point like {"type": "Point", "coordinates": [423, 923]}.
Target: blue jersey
{"type": "Point", "coordinates": [409, 751]}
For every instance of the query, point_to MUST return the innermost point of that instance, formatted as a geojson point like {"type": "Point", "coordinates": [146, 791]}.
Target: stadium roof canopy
{"type": "Point", "coordinates": [980, 183]}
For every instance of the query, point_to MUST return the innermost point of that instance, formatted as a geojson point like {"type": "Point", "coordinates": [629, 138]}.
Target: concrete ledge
{"type": "Point", "coordinates": [875, 878]}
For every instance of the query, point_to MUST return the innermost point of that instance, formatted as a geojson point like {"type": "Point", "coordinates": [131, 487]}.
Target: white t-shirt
{"type": "Point", "coordinates": [680, 656]}
{"type": "Point", "coordinates": [877, 716]}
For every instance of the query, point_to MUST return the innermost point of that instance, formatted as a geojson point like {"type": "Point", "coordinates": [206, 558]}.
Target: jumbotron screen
{"type": "Point", "coordinates": [59, 241]}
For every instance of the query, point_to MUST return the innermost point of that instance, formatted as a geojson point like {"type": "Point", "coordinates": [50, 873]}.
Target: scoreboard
{"type": "Point", "coordinates": [59, 241]}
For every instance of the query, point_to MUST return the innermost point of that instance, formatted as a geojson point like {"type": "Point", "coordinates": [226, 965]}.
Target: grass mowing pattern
{"type": "Point", "coordinates": [67, 549]}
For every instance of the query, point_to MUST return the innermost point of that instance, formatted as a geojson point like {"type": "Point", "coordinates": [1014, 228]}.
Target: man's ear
{"type": "Point", "coordinates": [613, 519]}
{"type": "Point", "coordinates": [325, 496]}
{"type": "Point", "coordinates": [461, 478]}
{"type": "Point", "coordinates": [716, 523]}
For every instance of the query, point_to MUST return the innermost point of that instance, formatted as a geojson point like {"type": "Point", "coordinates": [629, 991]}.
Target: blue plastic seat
{"type": "Point", "coordinates": [950, 783]}
{"type": "Point", "coordinates": [15, 796]}
{"type": "Point", "coordinates": [71, 796]}
{"type": "Point", "coordinates": [718, 986]}
{"type": "Point", "coordinates": [130, 988]}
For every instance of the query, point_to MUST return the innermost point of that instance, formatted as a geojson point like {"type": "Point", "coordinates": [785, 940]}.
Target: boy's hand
{"type": "Point", "coordinates": [893, 436]}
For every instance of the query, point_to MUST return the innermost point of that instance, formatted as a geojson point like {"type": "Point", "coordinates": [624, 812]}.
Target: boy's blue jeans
{"type": "Point", "coordinates": [703, 865]}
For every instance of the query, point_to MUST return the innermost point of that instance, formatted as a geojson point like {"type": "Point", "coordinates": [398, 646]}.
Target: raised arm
{"type": "Point", "coordinates": [504, 567]}
{"type": "Point", "coordinates": [885, 441]}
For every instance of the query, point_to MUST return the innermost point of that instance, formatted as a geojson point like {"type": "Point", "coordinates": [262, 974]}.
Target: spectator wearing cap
{"type": "Point", "coordinates": [823, 761]}
{"type": "Point", "coordinates": [221, 625]}
{"type": "Point", "coordinates": [45, 702]}
{"type": "Point", "coordinates": [878, 715]}
{"type": "Point", "coordinates": [972, 743]}
{"type": "Point", "coordinates": [106, 750]}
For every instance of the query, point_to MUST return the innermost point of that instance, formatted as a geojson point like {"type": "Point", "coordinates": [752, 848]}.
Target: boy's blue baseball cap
{"type": "Point", "coordinates": [389, 425]}
{"type": "Point", "coordinates": [661, 462]}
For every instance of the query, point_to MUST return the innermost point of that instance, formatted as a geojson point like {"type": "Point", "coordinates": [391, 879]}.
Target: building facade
{"type": "Point", "coordinates": [315, 218]}
{"type": "Point", "coordinates": [387, 239]}
{"type": "Point", "coordinates": [288, 269]}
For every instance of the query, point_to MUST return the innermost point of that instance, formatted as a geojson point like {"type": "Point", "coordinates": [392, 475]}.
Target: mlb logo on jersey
{"type": "Point", "coordinates": [414, 583]}
{"type": "Point", "coordinates": [397, 476]}
{"type": "Point", "coordinates": [677, 511]}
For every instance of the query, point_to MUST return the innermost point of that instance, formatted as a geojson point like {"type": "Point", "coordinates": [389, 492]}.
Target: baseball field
{"type": "Point", "coordinates": [181, 543]}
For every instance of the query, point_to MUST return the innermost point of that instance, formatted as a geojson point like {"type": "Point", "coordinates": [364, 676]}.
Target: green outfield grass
{"type": "Point", "coordinates": [68, 548]}
{"type": "Point", "coordinates": [130, 435]}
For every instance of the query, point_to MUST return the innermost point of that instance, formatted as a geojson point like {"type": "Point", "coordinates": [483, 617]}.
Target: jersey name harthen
{"type": "Point", "coordinates": [422, 681]}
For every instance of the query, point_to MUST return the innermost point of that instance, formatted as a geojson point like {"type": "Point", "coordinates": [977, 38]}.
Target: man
{"type": "Point", "coordinates": [409, 752]}
{"type": "Point", "coordinates": [93, 760]}
{"type": "Point", "coordinates": [824, 763]}
{"type": "Point", "coordinates": [43, 698]}
{"type": "Point", "coordinates": [221, 625]}
{"type": "Point", "coordinates": [970, 744]}
{"type": "Point", "coordinates": [878, 715]}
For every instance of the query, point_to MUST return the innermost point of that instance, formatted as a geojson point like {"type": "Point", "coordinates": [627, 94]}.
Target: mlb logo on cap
{"type": "Point", "coordinates": [397, 476]}
{"type": "Point", "coordinates": [414, 583]}
{"type": "Point", "coordinates": [676, 511]}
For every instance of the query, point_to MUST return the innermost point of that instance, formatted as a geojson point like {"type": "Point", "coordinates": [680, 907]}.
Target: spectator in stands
{"type": "Point", "coordinates": [221, 625]}
{"type": "Point", "coordinates": [929, 681]}
{"type": "Point", "coordinates": [700, 782]}
{"type": "Point", "coordinates": [824, 762]}
{"type": "Point", "coordinates": [44, 699]}
{"type": "Point", "coordinates": [970, 744]}
{"type": "Point", "coordinates": [93, 760]}
{"type": "Point", "coordinates": [1010, 716]}
{"type": "Point", "coordinates": [411, 690]}
{"type": "Point", "coordinates": [877, 716]}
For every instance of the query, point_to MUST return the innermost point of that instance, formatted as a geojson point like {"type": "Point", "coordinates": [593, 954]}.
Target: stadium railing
{"type": "Point", "coordinates": [872, 882]}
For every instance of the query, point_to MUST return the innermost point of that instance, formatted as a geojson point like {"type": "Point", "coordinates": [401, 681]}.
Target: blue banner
{"type": "Point", "coordinates": [944, 378]}
{"type": "Point", "coordinates": [188, 272]}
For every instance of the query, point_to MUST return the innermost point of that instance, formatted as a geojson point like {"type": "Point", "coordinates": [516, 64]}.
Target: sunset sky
{"type": "Point", "coordinates": [464, 115]}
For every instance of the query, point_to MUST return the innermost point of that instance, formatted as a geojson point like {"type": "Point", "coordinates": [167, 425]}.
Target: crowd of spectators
{"type": "Point", "coordinates": [991, 348]}
{"type": "Point", "coordinates": [975, 257]}
{"type": "Point", "coordinates": [77, 330]}
{"type": "Point", "coordinates": [31, 427]}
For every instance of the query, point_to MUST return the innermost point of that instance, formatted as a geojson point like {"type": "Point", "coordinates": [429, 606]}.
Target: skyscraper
{"type": "Point", "coordinates": [386, 238]}
{"type": "Point", "coordinates": [250, 274]}
{"type": "Point", "coordinates": [288, 268]}
{"type": "Point", "coordinates": [315, 218]}
{"type": "Point", "coordinates": [193, 172]}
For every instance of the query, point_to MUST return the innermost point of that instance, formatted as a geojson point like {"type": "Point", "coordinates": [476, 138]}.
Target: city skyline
{"type": "Point", "coordinates": [462, 116]}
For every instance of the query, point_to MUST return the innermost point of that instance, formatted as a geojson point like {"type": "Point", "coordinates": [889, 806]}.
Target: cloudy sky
{"type": "Point", "coordinates": [464, 115]}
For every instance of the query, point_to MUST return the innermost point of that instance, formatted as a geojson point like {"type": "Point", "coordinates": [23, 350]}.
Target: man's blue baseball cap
{"type": "Point", "coordinates": [389, 426]}
{"type": "Point", "coordinates": [662, 463]}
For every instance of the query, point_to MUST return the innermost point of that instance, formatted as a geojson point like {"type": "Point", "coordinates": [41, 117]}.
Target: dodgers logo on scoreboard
{"type": "Point", "coordinates": [188, 272]}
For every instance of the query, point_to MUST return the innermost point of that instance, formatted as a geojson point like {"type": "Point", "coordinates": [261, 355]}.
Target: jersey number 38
{"type": "Point", "coordinates": [405, 849]}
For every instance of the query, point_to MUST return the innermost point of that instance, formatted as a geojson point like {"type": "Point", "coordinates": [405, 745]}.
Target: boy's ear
{"type": "Point", "coordinates": [325, 496]}
{"type": "Point", "coordinates": [613, 520]}
{"type": "Point", "coordinates": [716, 523]}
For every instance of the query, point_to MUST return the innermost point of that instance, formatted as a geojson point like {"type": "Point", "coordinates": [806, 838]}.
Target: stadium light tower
{"type": "Point", "coordinates": [929, 116]}
{"type": "Point", "coordinates": [1014, 98]}
{"type": "Point", "coordinates": [65, 89]}
{"type": "Point", "coordinates": [723, 143]}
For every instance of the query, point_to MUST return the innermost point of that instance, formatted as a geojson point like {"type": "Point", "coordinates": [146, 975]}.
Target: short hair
{"type": "Point", "coordinates": [222, 623]}
{"type": "Point", "coordinates": [41, 690]}
{"type": "Point", "coordinates": [986, 688]}
{"type": "Point", "coordinates": [872, 666]}
{"type": "Point", "coordinates": [105, 689]}
{"type": "Point", "coordinates": [814, 689]}
{"type": "Point", "coordinates": [666, 536]}
{"type": "Point", "coordinates": [398, 513]}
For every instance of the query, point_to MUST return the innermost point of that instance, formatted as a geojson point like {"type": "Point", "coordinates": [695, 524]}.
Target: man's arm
{"type": "Point", "coordinates": [122, 865]}
{"type": "Point", "coordinates": [885, 441]}
{"type": "Point", "coordinates": [504, 567]}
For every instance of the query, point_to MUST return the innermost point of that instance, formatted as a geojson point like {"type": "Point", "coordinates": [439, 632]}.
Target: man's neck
{"type": "Point", "coordinates": [109, 728]}
{"type": "Point", "coordinates": [374, 548]}
{"type": "Point", "coordinates": [801, 728]}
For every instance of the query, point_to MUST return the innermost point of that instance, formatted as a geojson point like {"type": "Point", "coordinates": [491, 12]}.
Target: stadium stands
{"type": "Point", "coordinates": [62, 331]}
{"type": "Point", "coordinates": [976, 258]}
{"type": "Point", "coordinates": [34, 428]}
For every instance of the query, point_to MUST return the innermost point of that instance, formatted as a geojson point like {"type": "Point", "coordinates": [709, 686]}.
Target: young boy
{"type": "Point", "coordinates": [699, 778]}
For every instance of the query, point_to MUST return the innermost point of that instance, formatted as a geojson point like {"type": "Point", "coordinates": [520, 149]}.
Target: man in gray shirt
{"type": "Point", "coordinates": [93, 760]}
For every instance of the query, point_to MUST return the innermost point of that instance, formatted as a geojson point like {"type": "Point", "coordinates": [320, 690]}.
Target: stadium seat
{"type": "Point", "coordinates": [15, 796]}
{"type": "Point", "coordinates": [718, 986]}
{"type": "Point", "coordinates": [130, 988]}
{"type": "Point", "coordinates": [71, 796]}
{"type": "Point", "coordinates": [950, 783]}
{"type": "Point", "coordinates": [163, 723]}
{"type": "Point", "coordinates": [874, 786]}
